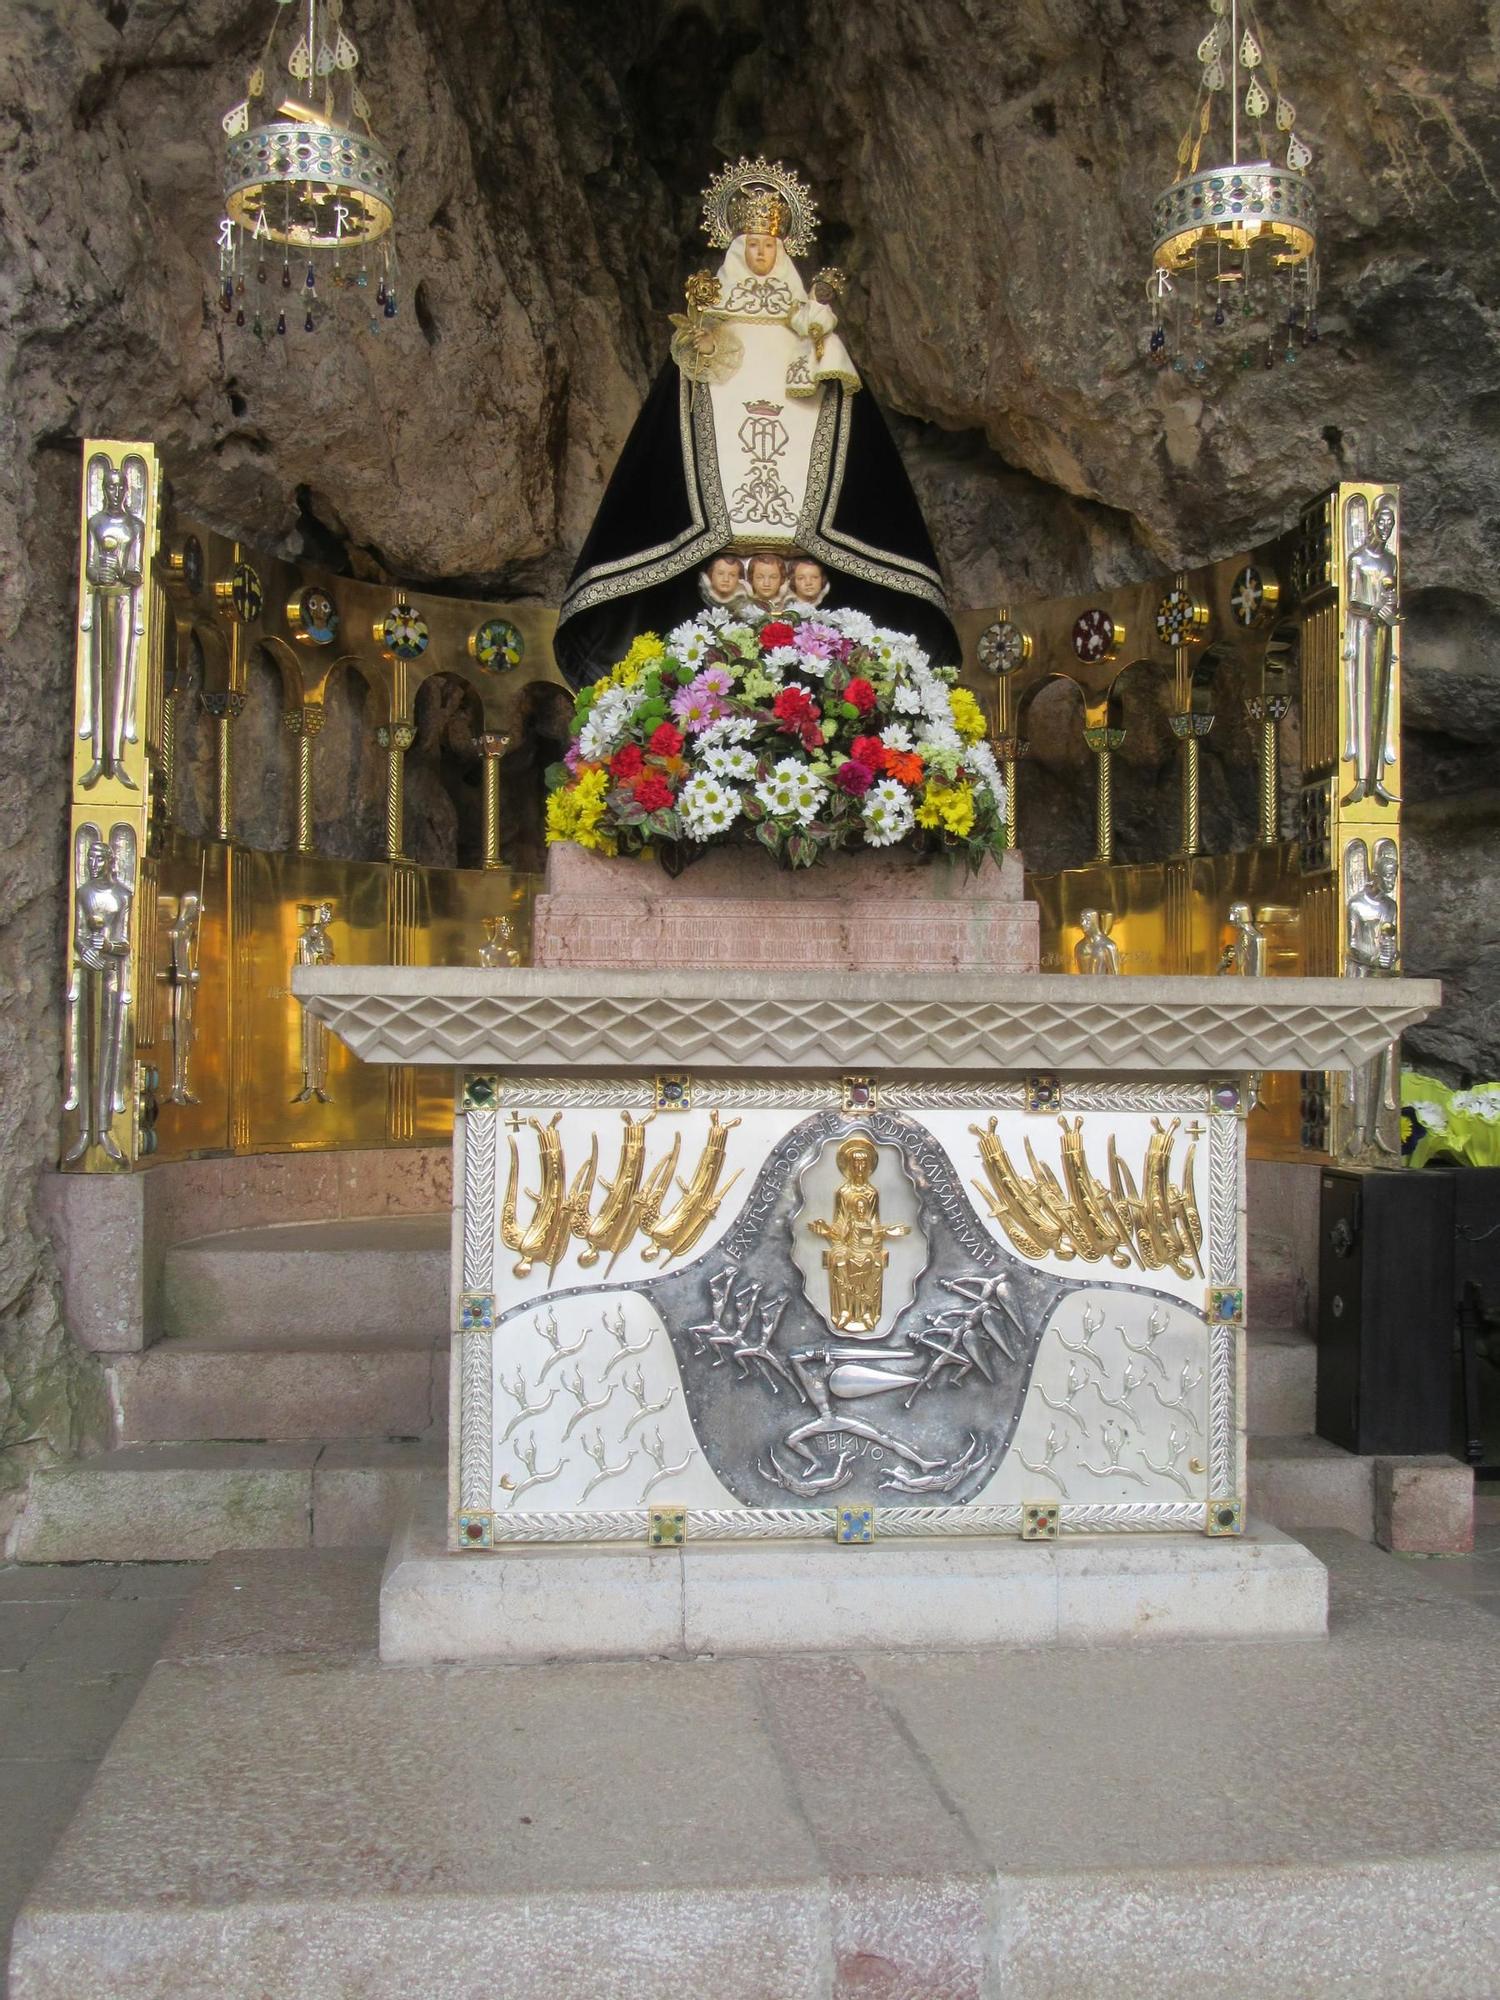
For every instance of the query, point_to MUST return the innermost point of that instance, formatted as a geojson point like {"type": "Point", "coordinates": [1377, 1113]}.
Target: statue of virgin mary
{"type": "Point", "coordinates": [759, 474]}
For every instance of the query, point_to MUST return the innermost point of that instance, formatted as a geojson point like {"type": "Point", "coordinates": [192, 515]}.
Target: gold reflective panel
{"type": "Point", "coordinates": [183, 1037]}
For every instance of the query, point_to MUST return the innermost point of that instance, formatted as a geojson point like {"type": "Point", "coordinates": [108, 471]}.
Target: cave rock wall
{"type": "Point", "coordinates": [985, 173]}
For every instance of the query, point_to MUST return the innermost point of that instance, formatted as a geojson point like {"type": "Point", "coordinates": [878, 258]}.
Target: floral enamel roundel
{"type": "Point", "coordinates": [1095, 635]}
{"type": "Point", "coordinates": [1003, 647]}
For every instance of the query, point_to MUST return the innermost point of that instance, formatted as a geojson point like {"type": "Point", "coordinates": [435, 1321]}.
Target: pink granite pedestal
{"type": "Point", "coordinates": [734, 908]}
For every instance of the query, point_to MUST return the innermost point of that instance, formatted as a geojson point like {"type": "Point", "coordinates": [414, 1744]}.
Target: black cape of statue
{"type": "Point", "coordinates": [663, 517]}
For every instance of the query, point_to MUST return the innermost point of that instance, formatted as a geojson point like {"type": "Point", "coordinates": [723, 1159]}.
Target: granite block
{"type": "Point", "coordinates": [222, 1389]}
{"type": "Point", "coordinates": [1424, 1506]}
{"type": "Point", "coordinates": [363, 1491]}
{"type": "Point", "coordinates": [733, 908]}
{"type": "Point", "coordinates": [169, 1503]}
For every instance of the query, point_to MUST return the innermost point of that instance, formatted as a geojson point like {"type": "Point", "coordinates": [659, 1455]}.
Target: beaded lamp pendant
{"type": "Point", "coordinates": [309, 191]}
{"type": "Point", "coordinates": [1234, 269]}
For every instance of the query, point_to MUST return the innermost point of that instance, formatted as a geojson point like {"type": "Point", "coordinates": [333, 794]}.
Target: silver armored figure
{"type": "Point", "coordinates": [182, 976]}
{"type": "Point", "coordinates": [1371, 614]}
{"type": "Point", "coordinates": [1096, 951]}
{"type": "Point", "coordinates": [314, 947]}
{"type": "Point", "coordinates": [1372, 950]}
{"type": "Point", "coordinates": [99, 990]}
{"type": "Point", "coordinates": [113, 616]}
{"type": "Point", "coordinates": [1245, 954]}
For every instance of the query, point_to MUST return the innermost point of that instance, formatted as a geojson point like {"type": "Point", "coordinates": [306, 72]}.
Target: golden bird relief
{"type": "Point", "coordinates": [677, 1231]}
{"type": "Point", "coordinates": [1154, 1228]}
{"type": "Point", "coordinates": [635, 1197]}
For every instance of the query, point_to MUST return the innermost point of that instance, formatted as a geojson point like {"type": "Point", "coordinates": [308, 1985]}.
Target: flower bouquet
{"type": "Point", "coordinates": [810, 737]}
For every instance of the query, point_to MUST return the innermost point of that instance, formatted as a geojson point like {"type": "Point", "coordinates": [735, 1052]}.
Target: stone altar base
{"type": "Point", "coordinates": [732, 909]}
{"type": "Point", "coordinates": [282, 1816]}
{"type": "Point", "coordinates": [581, 1601]}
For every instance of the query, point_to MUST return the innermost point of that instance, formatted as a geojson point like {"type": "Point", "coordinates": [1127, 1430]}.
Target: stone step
{"type": "Point", "coordinates": [1281, 1382]}
{"type": "Point", "coordinates": [312, 1281]}
{"type": "Point", "coordinates": [1422, 1505]}
{"type": "Point", "coordinates": [187, 1502]}
{"type": "Point", "coordinates": [1302, 1481]}
{"type": "Point", "coordinates": [226, 1387]}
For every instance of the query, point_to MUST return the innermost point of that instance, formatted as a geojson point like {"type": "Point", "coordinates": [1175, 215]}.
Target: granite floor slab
{"type": "Point", "coordinates": [280, 1814]}
{"type": "Point", "coordinates": [75, 1644]}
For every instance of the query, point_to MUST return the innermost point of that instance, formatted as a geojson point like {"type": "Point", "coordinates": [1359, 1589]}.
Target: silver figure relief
{"type": "Point", "coordinates": [1245, 954]}
{"type": "Point", "coordinates": [181, 977]}
{"type": "Point", "coordinates": [898, 1367]}
{"type": "Point", "coordinates": [1371, 614]}
{"type": "Point", "coordinates": [1372, 950]}
{"type": "Point", "coordinates": [314, 947]}
{"type": "Point", "coordinates": [899, 1373]}
{"type": "Point", "coordinates": [113, 618]}
{"type": "Point", "coordinates": [104, 876]}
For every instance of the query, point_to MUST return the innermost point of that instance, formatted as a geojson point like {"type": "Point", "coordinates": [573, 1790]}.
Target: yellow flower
{"type": "Point", "coordinates": [574, 813]}
{"type": "Point", "coordinates": [644, 649]}
{"type": "Point", "coordinates": [948, 806]}
{"type": "Point", "coordinates": [968, 716]}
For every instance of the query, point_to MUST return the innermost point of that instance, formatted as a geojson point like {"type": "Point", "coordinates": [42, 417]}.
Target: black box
{"type": "Point", "coordinates": [1385, 1310]}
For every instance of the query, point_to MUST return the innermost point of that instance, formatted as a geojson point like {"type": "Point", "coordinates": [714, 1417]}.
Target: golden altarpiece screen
{"type": "Point", "coordinates": [183, 1038]}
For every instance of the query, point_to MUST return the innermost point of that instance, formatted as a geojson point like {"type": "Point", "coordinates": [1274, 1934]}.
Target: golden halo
{"type": "Point", "coordinates": [725, 192]}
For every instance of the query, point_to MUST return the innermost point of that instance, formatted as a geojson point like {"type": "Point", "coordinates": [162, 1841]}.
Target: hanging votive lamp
{"type": "Point", "coordinates": [1234, 268]}
{"type": "Point", "coordinates": [309, 191]}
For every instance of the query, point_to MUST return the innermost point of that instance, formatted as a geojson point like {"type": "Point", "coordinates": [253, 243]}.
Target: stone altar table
{"type": "Point", "coordinates": [673, 1340]}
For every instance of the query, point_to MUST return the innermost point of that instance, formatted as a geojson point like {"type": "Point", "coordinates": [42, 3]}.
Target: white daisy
{"type": "Point", "coordinates": [692, 649]}
{"type": "Point", "coordinates": [897, 737]}
{"type": "Point", "coordinates": [939, 736]}
{"type": "Point", "coordinates": [783, 656]}
{"type": "Point", "coordinates": [608, 719]}
{"type": "Point", "coordinates": [853, 624]}
{"type": "Point", "coordinates": [790, 787]}
{"type": "Point", "coordinates": [777, 790]}
{"type": "Point", "coordinates": [728, 729]}
{"type": "Point", "coordinates": [980, 759]}
{"type": "Point", "coordinates": [905, 699]}
{"type": "Point", "coordinates": [706, 807]}
{"type": "Point", "coordinates": [730, 760]}
{"type": "Point", "coordinates": [887, 813]}
{"type": "Point", "coordinates": [810, 793]}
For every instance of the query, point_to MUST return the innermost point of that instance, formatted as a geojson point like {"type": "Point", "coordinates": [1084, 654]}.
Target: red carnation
{"type": "Point", "coordinates": [854, 778]}
{"type": "Point", "coordinates": [777, 633]}
{"type": "Point", "coordinates": [666, 739]}
{"type": "Point", "coordinates": [861, 693]}
{"type": "Point", "coordinates": [793, 708]}
{"type": "Point", "coordinates": [868, 750]}
{"type": "Point", "coordinates": [626, 763]}
{"type": "Point", "coordinates": [652, 793]}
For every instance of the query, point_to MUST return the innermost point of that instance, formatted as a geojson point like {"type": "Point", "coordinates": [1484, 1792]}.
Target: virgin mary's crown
{"type": "Point", "coordinates": [763, 197]}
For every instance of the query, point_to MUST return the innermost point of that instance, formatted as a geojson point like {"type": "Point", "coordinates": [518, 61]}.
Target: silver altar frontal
{"type": "Point", "coordinates": [838, 1257]}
